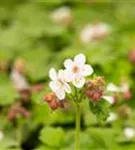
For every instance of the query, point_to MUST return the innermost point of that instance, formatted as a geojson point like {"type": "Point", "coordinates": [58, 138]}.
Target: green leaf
{"type": "Point", "coordinates": [7, 92]}
{"type": "Point", "coordinates": [52, 137]}
{"type": "Point", "coordinates": [100, 109]}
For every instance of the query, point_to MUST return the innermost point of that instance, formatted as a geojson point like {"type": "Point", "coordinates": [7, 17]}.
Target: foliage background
{"type": "Point", "coordinates": [27, 31]}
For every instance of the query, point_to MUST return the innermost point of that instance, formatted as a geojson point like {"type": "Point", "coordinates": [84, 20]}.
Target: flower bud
{"type": "Point", "coordinates": [127, 95]}
{"type": "Point", "coordinates": [11, 115]}
{"type": "Point", "coordinates": [96, 97]}
{"type": "Point", "coordinates": [131, 56]}
{"type": "Point", "coordinates": [39, 87]}
{"type": "Point", "coordinates": [49, 97]}
{"type": "Point", "coordinates": [62, 104]}
{"type": "Point", "coordinates": [54, 105]}
{"type": "Point", "coordinates": [89, 93]}
{"type": "Point", "coordinates": [95, 89]}
{"type": "Point", "coordinates": [27, 114]}
{"type": "Point", "coordinates": [90, 84]}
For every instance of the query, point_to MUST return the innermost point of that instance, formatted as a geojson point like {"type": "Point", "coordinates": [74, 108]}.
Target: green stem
{"type": "Point", "coordinates": [78, 119]}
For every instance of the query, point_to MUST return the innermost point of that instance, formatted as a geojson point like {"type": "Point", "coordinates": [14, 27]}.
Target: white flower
{"type": "Point", "coordinates": [124, 87]}
{"type": "Point", "coordinates": [61, 14]}
{"type": "Point", "coordinates": [78, 70]}
{"type": "Point", "coordinates": [112, 117]}
{"type": "Point", "coordinates": [93, 32]}
{"type": "Point", "coordinates": [86, 34]}
{"type": "Point", "coordinates": [112, 88]}
{"type": "Point", "coordinates": [110, 99]}
{"type": "Point", "coordinates": [59, 83]}
{"type": "Point", "coordinates": [101, 30]}
{"type": "Point", "coordinates": [129, 133]}
{"type": "Point", "coordinates": [19, 81]}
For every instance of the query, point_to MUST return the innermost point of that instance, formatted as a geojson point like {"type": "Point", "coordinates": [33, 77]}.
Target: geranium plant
{"type": "Point", "coordinates": [72, 83]}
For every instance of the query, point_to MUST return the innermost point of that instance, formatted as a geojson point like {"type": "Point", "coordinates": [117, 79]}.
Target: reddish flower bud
{"type": "Point", "coordinates": [54, 105]}
{"type": "Point", "coordinates": [90, 84]}
{"type": "Point", "coordinates": [27, 114]}
{"type": "Point", "coordinates": [131, 56]}
{"type": "Point", "coordinates": [127, 95]}
{"type": "Point", "coordinates": [101, 92]}
{"type": "Point", "coordinates": [89, 93]}
{"type": "Point", "coordinates": [38, 87]}
{"type": "Point", "coordinates": [95, 89]}
{"type": "Point", "coordinates": [62, 104]}
{"type": "Point", "coordinates": [48, 98]}
{"type": "Point", "coordinates": [11, 115]}
{"type": "Point", "coordinates": [96, 97]}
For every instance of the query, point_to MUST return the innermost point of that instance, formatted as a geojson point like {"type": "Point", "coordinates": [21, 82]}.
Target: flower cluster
{"type": "Point", "coordinates": [123, 91]}
{"type": "Point", "coordinates": [94, 32]}
{"type": "Point", "coordinates": [17, 109]}
{"type": "Point", "coordinates": [62, 16]}
{"type": "Point", "coordinates": [75, 72]}
{"type": "Point", "coordinates": [53, 101]}
{"type": "Point", "coordinates": [95, 89]}
{"type": "Point", "coordinates": [129, 133]}
{"type": "Point", "coordinates": [62, 83]}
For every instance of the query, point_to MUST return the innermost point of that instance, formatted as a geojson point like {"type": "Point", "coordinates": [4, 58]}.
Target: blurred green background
{"type": "Point", "coordinates": [28, 32]}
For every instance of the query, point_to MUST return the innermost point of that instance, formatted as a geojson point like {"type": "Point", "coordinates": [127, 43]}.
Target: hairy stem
{"type": "Point", "coordinates": [78, 121]}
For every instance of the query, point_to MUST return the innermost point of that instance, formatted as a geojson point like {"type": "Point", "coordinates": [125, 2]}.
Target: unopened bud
{"type": "Point", "coordinates": [127, 95]}
{"type": "Point", "coordinates": [62, 104]}
{"type": "Point", "coordinates": [90, 84]}
{"type": "Point", "coordinates": [54, 105]}
{"type": "Point", "coordinates": [11, 115]}
{"type": "Point", "coordinates": [96, 97]}
{"type": "Point", "coordinates": [131, 56]}
{"type": "Point", "coordinates": [89, 93]}
{"type": "Point", "coordinates": [38, 87]}
{"type": "Point", "coordinates": [48, 98]}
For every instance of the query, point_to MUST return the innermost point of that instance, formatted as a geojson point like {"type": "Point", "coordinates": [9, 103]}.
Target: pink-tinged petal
{"type": "Point", "coordinates": [79, 83]}
{"type": "Point", "coordinates": [110, 99]}
{"type": "Point", "coordinates": [53, 74]}
{"type": "Point", "coordinates": [68, 76]}
{"type": "Point", "coordinates": [88, 70]}
{"type": "Point", "coordinates": [67, 88]}
{"type": "Point", "coordinates": [53, 86]}
{"type": "Point", "coordinates": [112, 88]}
{"type": "Point", "coordinates": [60, 93]}
{"type": "Point", "coordinates": [68, 63]}
{"type": "Point", "coordinates": [80, 59]}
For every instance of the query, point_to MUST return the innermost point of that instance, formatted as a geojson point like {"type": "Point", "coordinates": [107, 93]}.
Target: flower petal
{"type": "Point", "coordinates": [53, 86]}
{"type": "Point", "coordinates": [68, 76]}
{"type": "Point", "coordinates": [67, 88]}
{"type": "Point", "coordinates": [53, 74]}
{"type": "Point", "coordinates": [88, 70]}
{"type": "Point", "coordinates": [112, 88]}
{"type": "Point", "coordinates": [79, 83]}
{"type": "Point", "coordinates": [80, 59]}
{"type": "Point", "coordinates": [60, 93]}
{"type": "Point", "coordinates": [129, 132]}
{"type": "Point", "coordinates": [61, 75]}
{"type": "Point", "coordinates": [112, 117]}
{"type": "Point", "coordinates": [110, 99]}
{"type": "Point", "coordinates": [68, 63]}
